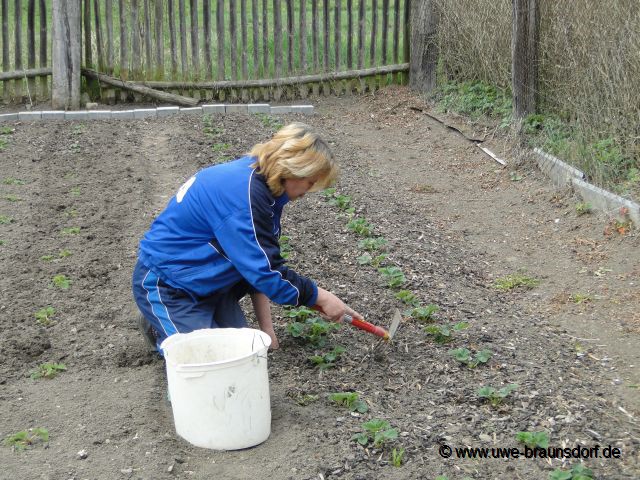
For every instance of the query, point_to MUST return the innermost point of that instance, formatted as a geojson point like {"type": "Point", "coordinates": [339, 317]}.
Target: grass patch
{"type": "Point", "coordinates": [474, 99]}
{"type": "Point", "coordinates": [516, 280]}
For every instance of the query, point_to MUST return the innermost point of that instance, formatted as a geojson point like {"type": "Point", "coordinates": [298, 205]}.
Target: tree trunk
{"type": "Point", "coordinates": [66, 57]}
{"type": "Point", "coordinates": [524, 57]}
{"type": "Point", "coordinates": [424, 49]}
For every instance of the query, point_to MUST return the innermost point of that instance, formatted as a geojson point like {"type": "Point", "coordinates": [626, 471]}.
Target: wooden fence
{"type": "Point", "coordinates": [223, 49]}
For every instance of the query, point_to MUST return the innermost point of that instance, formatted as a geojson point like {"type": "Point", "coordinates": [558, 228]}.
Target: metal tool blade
{"type": "Point", "coordinates": [395, 323]}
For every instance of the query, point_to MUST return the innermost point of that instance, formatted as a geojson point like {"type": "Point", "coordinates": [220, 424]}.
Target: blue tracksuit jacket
{"type": "Point", "coordinates": [221, 227]}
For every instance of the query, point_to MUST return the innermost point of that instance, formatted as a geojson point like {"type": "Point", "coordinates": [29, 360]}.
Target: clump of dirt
{"type": "Point", "coordinates": [455, 222]}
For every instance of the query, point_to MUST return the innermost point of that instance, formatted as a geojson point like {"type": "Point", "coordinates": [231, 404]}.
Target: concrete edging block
{"type": "Point", "coordinates": [99, 114]}
{"type": "Point", "coordinates": [608, 202]}
{"type": "Point", "coordinates": [27, 116]}
{"type": "Point", "coordinates": [235, 108]}
{"type": "Point", "coordinates": [9, 117]}
{"type": "Point", "coordinates": [53, 115]}
{"type": "Point", "coordinates": [280, 109]}
{"type": "Point", "coordinates": [166, 111]}
{"type": "Point", "coordinates": [560, 173]}
{"type": "Point", "coordinates": [304, 109]}
{"type": "Point", "coordinates": [259, 108]}
{"type": "Point", "coordinates": [218, 108]}
{"type": "Point", "coordinates": [76, 115]}
{"type": "Point", "coordinates": [122, 114]}
{"type": "Point", "coordinates": [191, 110]}
{"type": "Point", "coordinates": [145, 113]}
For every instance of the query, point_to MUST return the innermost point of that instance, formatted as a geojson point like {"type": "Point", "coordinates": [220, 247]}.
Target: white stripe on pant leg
{"type": "Point", "coordinates": [165, 308]}
{"type": "Point", "coordinates": [155, 307]}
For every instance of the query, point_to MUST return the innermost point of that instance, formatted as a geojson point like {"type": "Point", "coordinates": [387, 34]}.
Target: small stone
{"type": "Point", "coordinates": [82, 454]}
{"type": "Point", "coordinates": [484, 437]}
{"type": "Point", "coordinates": [126, 470]}
{"type": "Point", "coordinates": [90, 105]}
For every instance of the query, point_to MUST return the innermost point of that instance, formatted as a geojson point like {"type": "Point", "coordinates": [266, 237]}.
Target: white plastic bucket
{"type": "Point", "coordinates": [219, 386]}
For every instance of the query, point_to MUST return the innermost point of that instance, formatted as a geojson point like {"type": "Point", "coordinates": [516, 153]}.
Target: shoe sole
{"type": "Point", "coordinates": [147, 333]}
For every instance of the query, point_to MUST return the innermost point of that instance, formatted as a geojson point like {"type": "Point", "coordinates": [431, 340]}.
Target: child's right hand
{"type": "Point", "coordinates": [333, 308]}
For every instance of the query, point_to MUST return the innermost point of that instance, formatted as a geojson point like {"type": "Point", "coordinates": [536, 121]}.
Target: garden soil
{"type": "Point", "coordinates": [456, 222]}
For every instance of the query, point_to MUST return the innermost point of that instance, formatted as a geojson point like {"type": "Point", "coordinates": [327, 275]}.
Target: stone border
{"type": "Point", "coordinates": [216, 109]}
{"type": "Point", "coordinates": [609, 203]}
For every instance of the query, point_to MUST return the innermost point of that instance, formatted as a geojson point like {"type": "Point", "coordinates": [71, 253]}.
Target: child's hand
{"type": "Point", "coordinates": [333, 308]}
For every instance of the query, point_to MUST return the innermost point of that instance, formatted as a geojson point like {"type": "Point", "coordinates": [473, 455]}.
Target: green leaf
{"type": "Point", "coordinates": [560, 475]}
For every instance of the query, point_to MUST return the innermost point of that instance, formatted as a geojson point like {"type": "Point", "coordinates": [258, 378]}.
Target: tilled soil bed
{"type": "Point", "coordinates": [76, 198]}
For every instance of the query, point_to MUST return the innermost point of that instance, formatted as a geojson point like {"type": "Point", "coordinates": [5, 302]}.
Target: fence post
{"type": "Point", "coordinates": [423, 57]}
{"type": "Point", "coordinates": [524, 57]}
{"type": "Point", "coordinates": [67, 40]}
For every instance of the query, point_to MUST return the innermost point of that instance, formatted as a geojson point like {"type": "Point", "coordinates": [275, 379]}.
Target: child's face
{"type": "Point", "coordinates": [295, 188]}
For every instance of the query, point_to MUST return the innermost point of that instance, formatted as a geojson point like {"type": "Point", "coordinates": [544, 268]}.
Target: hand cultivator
{"type": "Point", "coordinates": [386, 335]}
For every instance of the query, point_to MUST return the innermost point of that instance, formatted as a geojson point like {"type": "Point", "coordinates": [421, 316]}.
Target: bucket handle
{"type": "Point", "coordinates": [188, 374]}
{"type": "Point", "coordinates": [263, 344]}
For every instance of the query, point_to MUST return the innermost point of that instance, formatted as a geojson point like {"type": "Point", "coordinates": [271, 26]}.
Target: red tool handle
{"type": "Point", "coordinates": [368, 327]}
{"type": "Point", "coordinates": [362, 325]}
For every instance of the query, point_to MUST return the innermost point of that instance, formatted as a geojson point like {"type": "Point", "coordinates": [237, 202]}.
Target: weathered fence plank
{"type": "Point", "coordinates": [374, 32]}
{"type": "Point", "coordinates": [361, 35]}
{"type": "Point", "coordinates": [136, 57]}
{"type": "Point", "coordinates": [44, 85]}
{"type": "Point", "coordinates": [108, 10]}
{"type": "Point", "coordinates": [182, 17]}
{"type": "Point", "coordinates": [290, 36]}
{"type": "Point", "coordinates": [124, 44]}
{"type": "Point", "coordinates": [98, 25]}
{"type": "Point", "coordinates": [147, 40]}
{"type": "Point", "coordinates": [327, 29]}
{"type": "Point", "coordinates": [195, 44]}
{"type": "Point", "coordinates": [256, 35]}
{"type": "Point", "coordinates": [158, 29]}
{"type": "Point", "coordinates": [233, 35]}
{"type": "Point", "coordinates": [6, 66]}
{"type": "Point", "coordinates": [265, 40]}
{"type": "Point", "coordinates": [337, 30]}
{"type": "Point", "coordinates": [277, 37]}
{"type": "Point", "coordinates": [524, 57]}
{"type": "Point", "coordinates": [303, 36]}
{"type": "Point", "coordinates": [349, 34]}
{"type": "Point", "coordinates": [220, 36]}
{"type": "Point", "coordinates": [172, 37]}
{"type": "Point", "coordinates": [316, 33]}
{"type": "Point", "coordinates": [18, 46]}
{"type": "Point", "coordinates": [31, 45]}
{"type": "Point", "coordinates": [243, 26]}
{"type": "Point", "coordinates": [66, 54]}
{"type": "Point", "coordinates": [206, 26]}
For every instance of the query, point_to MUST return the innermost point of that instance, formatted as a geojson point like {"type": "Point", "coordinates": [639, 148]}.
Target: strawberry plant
{"type": "Point", "coordinates": [372, 244]}
{"type": "Point", "coordinates": [343, 202]}
{"type": "Point", "coordinates": [359, 226]}
{"type": "Point", "coordinates": [26, 438]}
{"type": "Point", "coordinates": [48, 370]}
{"type": "Point", "coordinates": [444, 333]}
{"type": "Point", "coordinates": [329, 192]}
{"type": "Point", "coordinates": [5, 220]}
{"type": "Point", "coordinates": [285, 247]}
{"type": "Point", "coordinates": [71, 231]}
{"type": "Point", "coordinates": [351, 400]}
{"type": "Point", "coordinates": [397, 455]}
{"type": "Point", "coordinates": [44, 315]}
{"type": "Point", "coordinates": [64, 253]}
{"type": "Point", "coordinates": [47, 258]}
{"type": "Point", "coordinates": [313, 330]}
{"type": "Point", "coordinates": [12, 198]}
{"type": "Point", "coordinates": [376, 431]}
{"type": "Point", "coordinates": [407, 297]}
{"type": "Point", "coordinates": [61, 281]}
{"type": "Point", "coordinates": [299, 313]}
{"type": "Point", "coordinates": [463, 355]}
{"type": "Point", "coordinates": [423, 314]}
{"type": "Point", "coordinates": [496, 397]}
{"type": "Point", "coordinates": [75, 191]}
{"type": "Point", "coordinates": [393, 275]}
{"type": "Point", "coordinates": [375, 262]}
{"type": "Point", "coordinates": [577, 472]}
{"type": "Point", "coordinates": [533, 439]}
{"type": "Point", "coordinates": [327, 360]}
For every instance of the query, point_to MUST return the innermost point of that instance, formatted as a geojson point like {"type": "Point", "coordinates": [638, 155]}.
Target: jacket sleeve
{"type": "Point", "coordinates": [249, 243]}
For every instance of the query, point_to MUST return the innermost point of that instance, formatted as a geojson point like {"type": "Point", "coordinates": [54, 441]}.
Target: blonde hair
{"type": "Point", "coordinates": [295, 151]}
